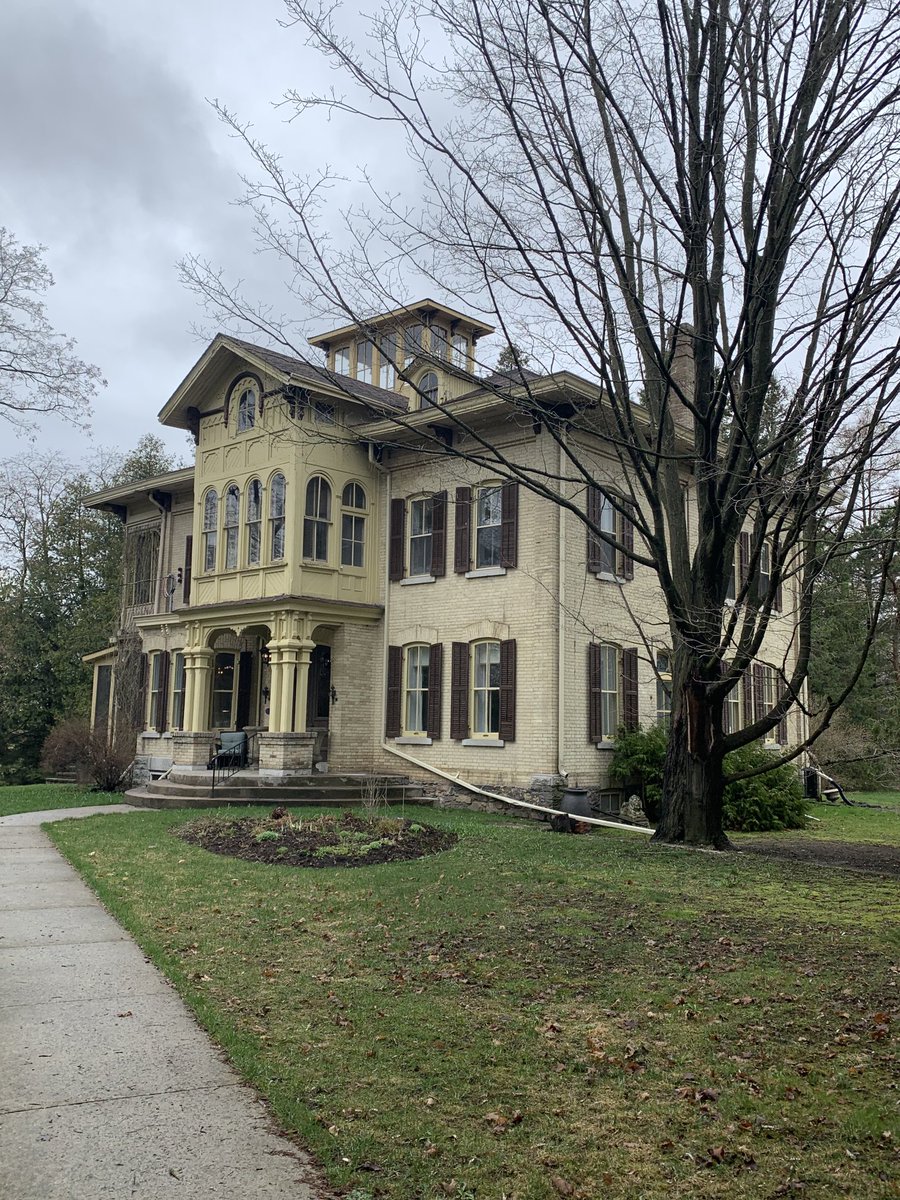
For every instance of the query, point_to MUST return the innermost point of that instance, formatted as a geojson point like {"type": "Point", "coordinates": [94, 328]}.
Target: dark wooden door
{"type": "Point", "coordinates": [245, 679]}
{"type": "Point", "coordinates": [318, 696]}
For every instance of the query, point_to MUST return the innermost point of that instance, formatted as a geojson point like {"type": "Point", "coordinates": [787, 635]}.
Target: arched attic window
{"type": "Point", "coordinates": [428, 390]}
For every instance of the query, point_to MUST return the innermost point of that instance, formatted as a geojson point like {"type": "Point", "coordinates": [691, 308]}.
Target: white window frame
{"type": "Point", "coordinates": [664, 688]}
{"type": "Point", "coordinates": [387, 358]}
{"type": "Point", "coordinates": [317, 519]}
{"type": "Point", "coordinates": [459, 353]}
{"type": "Point", "coordinates": [254, 522]}
{"type": "Point", "coordinates": [478, 525]}
{"type": "Point", "coordinates": [342, 361]}
{"type": "Point", "coordinates": [354, 507]}
{"type": "Point", "coordinates": [364, 356]}
{"type": "Point", "coordinates": [277, 494]}
{"type": "Point", "coordinates": [415, 694]}
{"type": "Point", "coordinates": [210, 530]}
{"type": "Point", "coordinates": [484, 688]}
{"type": "Point", "coordinates": [610, 688]}
{"type": "Point", "coordinates": [231, 525]}
{"type": "Point", "coordinates": [421, 517]}
{"type": "Point", "coordinates": [246, 408]}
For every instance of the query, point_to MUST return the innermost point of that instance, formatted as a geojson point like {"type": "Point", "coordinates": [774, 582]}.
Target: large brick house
{"type": "Point", "coordinates": [354, 594]}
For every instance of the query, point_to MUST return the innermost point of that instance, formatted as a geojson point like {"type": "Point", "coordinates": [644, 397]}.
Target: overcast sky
{"type": "Point", "coordinates": [113, 159]}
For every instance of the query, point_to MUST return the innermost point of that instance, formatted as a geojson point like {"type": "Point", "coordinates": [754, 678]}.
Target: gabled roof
{"type": "Point", "coordinates": [291, 368]}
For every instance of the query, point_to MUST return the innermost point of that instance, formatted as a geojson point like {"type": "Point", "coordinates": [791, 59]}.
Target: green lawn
{"type": "Point", "coordinates": [38, 797]}
{"type": "Point", "coordinates": [531, 1015]}
{"type": "Point", "coordinates": [838, 822]}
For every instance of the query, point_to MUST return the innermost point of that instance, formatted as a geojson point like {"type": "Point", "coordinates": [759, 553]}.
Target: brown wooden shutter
{"type": "Point", "coordinates": [743, 560]}
{"type": "Point", "coordinates": [509, 525]}
{"type": "Point", "coordinates": [143, 684]}
{"type": "Point", "coordinates": [595, 709]}
{"type": "Point", "coordinates": [462, 541]}
{"type": "Point", "coordinates": [594, 496]}
{"type": "Point", "coordinates": [392, 722]}
{"type": "Point", "coordinates": [186, 570]}
{"type": "Point", "coordinates": [435, 690]}
{"type": "Point", "coordinates": [508, 690]}
{"type": "Point", "coordinates": [396, 540]}
{"type": "Point", "coordinates": [162, 707]}
{"type": "Point", "coordinates": [747, 694]}
{"type": "Point", "coordinates": [630, 688]}
{"type": "Point", "coordinates": [459, 691]}
{"type": "Point", "coordinates": [439, 535]}
{"type": "Point", "coordinates": [628, 543]}
{"type": "Point", "coordinates": [757, 691]}
{"type": "Point", "coordinates": [783, 731]}
{"type": "Point", "coordinates": [779, 598]}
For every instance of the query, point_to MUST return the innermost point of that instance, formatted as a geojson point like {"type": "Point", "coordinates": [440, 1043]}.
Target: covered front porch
{"type": "Point", "coordinates": [266, 675]}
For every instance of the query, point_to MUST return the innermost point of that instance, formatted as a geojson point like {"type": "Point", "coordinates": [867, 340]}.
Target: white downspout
{"type": "Point", "coordinates": [561, 626]}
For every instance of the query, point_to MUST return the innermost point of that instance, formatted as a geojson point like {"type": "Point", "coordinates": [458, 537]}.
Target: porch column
{"type": "Point", "coordinates": [304, 654]}
{"type": "Point", "coordinates": [197, 700]}
{"type": "Point", "coordinates": [275, 725]}
{"type": "Point", "coordinates": [289, 655]}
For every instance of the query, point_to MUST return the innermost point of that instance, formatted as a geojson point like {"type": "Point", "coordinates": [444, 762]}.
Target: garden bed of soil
{"type": "Point", "coordinates": [344, 840]}
{"type": "Point", "coordinates": [873, 858]}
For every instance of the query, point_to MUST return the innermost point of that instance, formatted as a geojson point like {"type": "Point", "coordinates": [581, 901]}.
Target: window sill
{"type": "Point", "coordinates": [314, 564]}
{"type": "Point", "coordinates": [151, 733]}
{"type": "Point", "coordinates": [484, 743]}
{"type": "Point", "coordinates": [411, 740]}
{"type": "Point", "coordinates": [610, 745]}
{"type": "Point", "coordinates": [606, 577]}
{"type": "Point", "coordinates": [485, 572]}
{"type": "Point", "coordinates": [415, 580]}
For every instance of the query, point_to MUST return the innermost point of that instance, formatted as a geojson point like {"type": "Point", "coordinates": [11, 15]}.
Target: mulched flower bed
{"type": "Point", "coordinates": [292, 840]}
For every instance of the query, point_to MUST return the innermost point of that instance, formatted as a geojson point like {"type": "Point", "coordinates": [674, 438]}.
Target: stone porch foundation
{"type": "Point", "coordinates": [192, 751]}
{"type": "Point", "coordinates": [282, 754]}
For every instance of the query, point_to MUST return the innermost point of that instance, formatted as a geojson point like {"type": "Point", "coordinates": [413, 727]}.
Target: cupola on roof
{"type": "Point", "coordinates": [425, 310]}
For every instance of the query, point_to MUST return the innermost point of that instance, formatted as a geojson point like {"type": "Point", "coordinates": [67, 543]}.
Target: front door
{"type": "Point", "coordinates": [318, 696]}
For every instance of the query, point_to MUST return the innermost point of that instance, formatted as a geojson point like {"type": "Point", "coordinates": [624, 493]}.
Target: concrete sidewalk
{"type": "Point", "coordinates": [108, 1088]}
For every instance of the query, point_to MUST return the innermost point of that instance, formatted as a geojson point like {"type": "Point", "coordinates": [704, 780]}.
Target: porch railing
{"type": "Point", "coordinates": [231, 759]}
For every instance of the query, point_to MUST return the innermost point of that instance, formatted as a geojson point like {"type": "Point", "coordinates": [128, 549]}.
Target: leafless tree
{"type": "Point", "coordinates": [39, 370]}
{"type": "Point", "coordinates": [685, 203]}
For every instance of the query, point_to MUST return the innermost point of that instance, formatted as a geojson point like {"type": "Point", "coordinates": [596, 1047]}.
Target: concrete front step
{"type": "Point", "coordinates": [339, 790]}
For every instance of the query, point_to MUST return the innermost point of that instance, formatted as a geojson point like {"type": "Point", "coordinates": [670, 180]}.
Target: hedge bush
{"type": "Point", "coordinates": [773, 800]}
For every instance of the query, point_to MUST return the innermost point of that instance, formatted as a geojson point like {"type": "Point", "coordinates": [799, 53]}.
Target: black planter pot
{"type": "Point", "coordinates": [573, 806]}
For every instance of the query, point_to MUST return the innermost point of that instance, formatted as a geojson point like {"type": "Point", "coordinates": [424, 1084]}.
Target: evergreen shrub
{"type": "Point", "coordinates": [769, 801]}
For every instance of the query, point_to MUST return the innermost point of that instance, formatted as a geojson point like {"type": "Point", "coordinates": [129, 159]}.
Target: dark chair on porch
{"type": "Point", "coordinates": [232, 751]}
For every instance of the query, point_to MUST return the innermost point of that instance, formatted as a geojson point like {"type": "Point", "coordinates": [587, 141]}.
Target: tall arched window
{"type": "Point", "coordinates": [246, 417]}
{"type": "Point", "coordinates": [276, 518]}
{"type": "Point", "coordinates": [231, 525]}
{"type": "Point", "coordinates": [316, 519]}
{"type": "Point", "coordinates": [428, 388]}
{"type": "Point", "coordinates": [210, 529]}
{"type": "Point", "coordinates": [353, 525]}
{"type": "Point", "coordinates": [254, 521]}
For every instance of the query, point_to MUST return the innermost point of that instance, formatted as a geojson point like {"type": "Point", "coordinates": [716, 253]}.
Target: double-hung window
{"type": "Point", "coordinates": [460, 350]}
{"type": "Point", "coordinates": [231, 526]}
{"type": "Point", "coordinates": [317, 519]}
{"type": "Point", "coordinates": [483, 692]}
{"type": "Point", "coordinates": [353, 525]}
{"type": "Point", "coordinates": [178, 691]}
{"type": "Point", "coordinates": [157, 691]}
{"type": "Point", "coordinates": [412, 343]}
{"type": "Point", "coordinates": [415, 707]}
{"type": "Point", "coordinates": [387, 354]}
{"type": "Point", "coordinates": [246, 409]}
{"type": "Point", "coordinates": [488, 519]}
{"type": "Point", "coordinates": [421, 512]}
{"type": "Point", "coordinates": [428, 390]}
{"type": "Point", "coordinates": [364, 362]}
{"type": "Point", "coordinates": [143, 553]}
{"type": "Point", "coordinates": [276, 518]}
{"type": "Point", "coordinates": [254, 522]}
{"type": "Point", "coordinates": [609, 556]}
{"type": "Point", "coordinates": [342, 361]}
{"type": "Point", "coordinates": [612, 690]}
{"type": "Point", "coordinates": [664, 689]}
{"type": "Point", "coordinates": [210, 529]}
{"type": "Point", "coordinates": [486, 689]}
